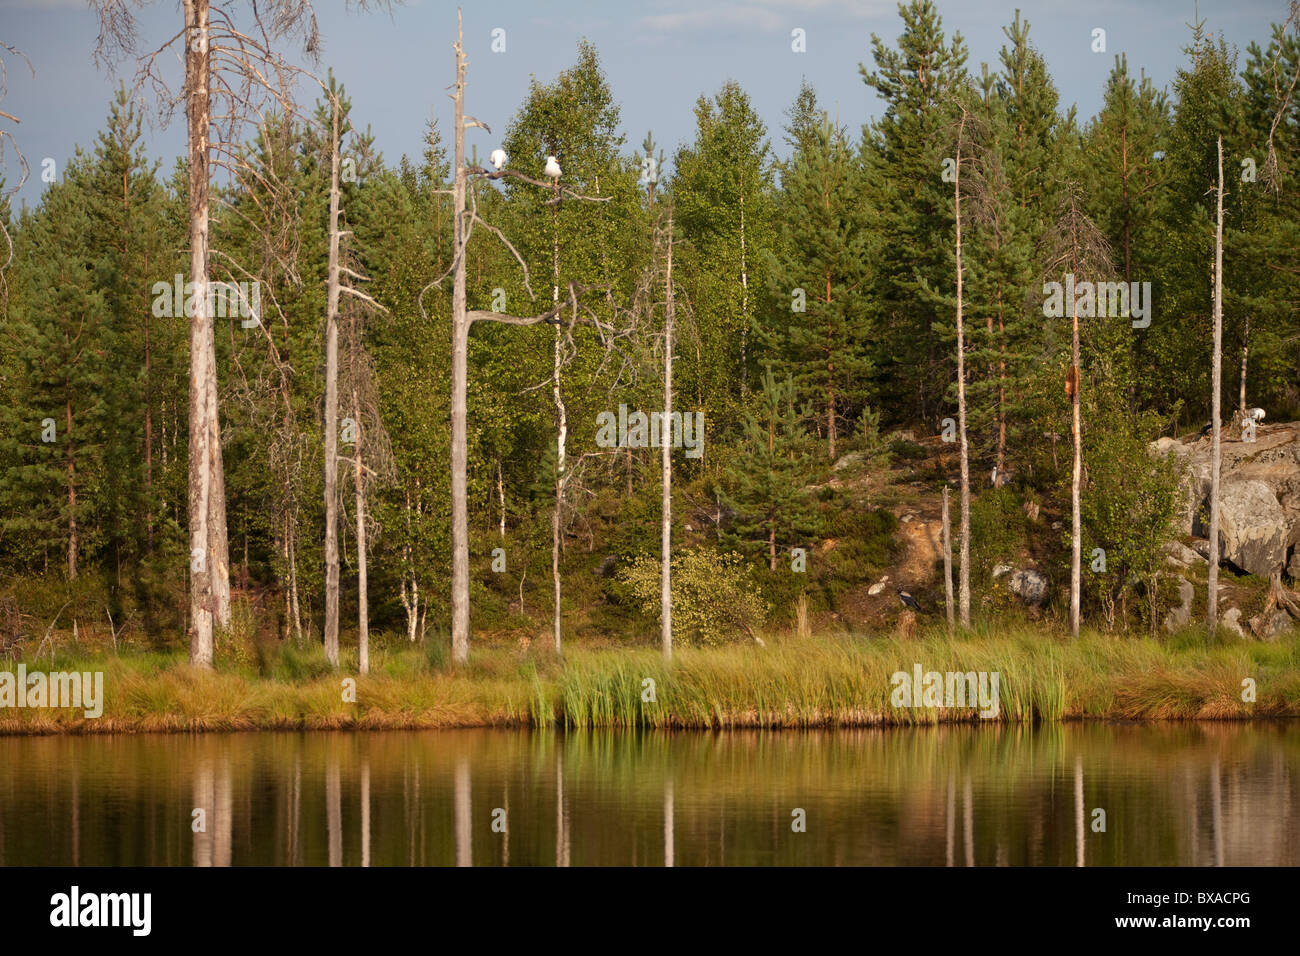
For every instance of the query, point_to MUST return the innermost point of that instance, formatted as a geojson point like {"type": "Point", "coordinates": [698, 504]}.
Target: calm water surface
{"type": "Point", "coordinates": [1190, 794]}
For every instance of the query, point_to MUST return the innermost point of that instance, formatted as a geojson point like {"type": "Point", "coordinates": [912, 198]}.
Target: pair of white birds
{"type": "Point", "coordinates": [499, 160]}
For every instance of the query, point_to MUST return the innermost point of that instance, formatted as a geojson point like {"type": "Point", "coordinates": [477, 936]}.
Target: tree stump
{"type": "Point", "coordinates": [906, 626]}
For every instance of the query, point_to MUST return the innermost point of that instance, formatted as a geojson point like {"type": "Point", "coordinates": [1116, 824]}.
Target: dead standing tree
{"type": "Point", "coordinates": [463, 221]}
{"type": "Point", "coordinates": [963, 584]}
{"type": "Point", "coordinates": [8, 135]}
{"type": "Point", "coordinates": [339, 278]}
{"type": "Point", "coordinates": [1216, 381]}
{"type": "Point", "coordinates": [231, 74]}
{"type": "Point", "coordinates": [1076, 247]}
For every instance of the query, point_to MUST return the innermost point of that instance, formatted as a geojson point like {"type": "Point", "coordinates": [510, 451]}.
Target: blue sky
{"type": "Point", "coordinates": [659, 56]}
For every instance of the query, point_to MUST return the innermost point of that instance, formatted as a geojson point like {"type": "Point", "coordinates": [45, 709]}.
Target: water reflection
{"type": "Point", "coordinates": [1193, 794]}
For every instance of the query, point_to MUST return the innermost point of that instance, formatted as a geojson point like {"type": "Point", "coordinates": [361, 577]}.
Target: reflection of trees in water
{"type": "Point", "coordinates": [1196, 794]}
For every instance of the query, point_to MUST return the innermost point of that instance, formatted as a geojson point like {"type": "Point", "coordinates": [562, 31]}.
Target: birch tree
{"type": "Point", "coordinates": [1216, 377]}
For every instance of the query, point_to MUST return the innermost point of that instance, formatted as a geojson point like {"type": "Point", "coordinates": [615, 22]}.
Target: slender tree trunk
{"type": "Point", "coordinates": [459, 377]}
{"type": "Point", "coordinates": [72, 496]}
{"type": "Point", "coordinates": [1212, 597]}
{"type": "Point", "coordinates": [332, 405]}
{"type": "Point", "coordinates": [148, 432]}
{"type": "Point", "coordinates": [830, 372]}
{"type": "Point", "coordinates": [1245, 351]}
{"type": "Point", "coordinates": [744, 298]}
{"type": "Point", "coordinates": [562, 422]}
{"type": "Point", "coordinates": [293, 581]}
{"type": "Point", "coordinates": [411, 597]}
{"type": "Point", "coordinates": [363, 597]}
{"type": "Point", "coordinates": [947, 558]}
{"type": "Point", "coordinates": [1076, 476]}
{"type": "Point", "coordinates": [501, 498]}
{"type": "Point", "coordinates": [963, 589]}
{"type": "Point", "coordinates": [202, 414]}
{"type": "Point", "coordinates": [1001, 459]}
{"type": "Point", "coordinates": [666, 529]}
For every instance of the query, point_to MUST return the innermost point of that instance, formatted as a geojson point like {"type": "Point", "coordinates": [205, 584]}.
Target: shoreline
{"type": "Point", "coordinates": [822, 682]}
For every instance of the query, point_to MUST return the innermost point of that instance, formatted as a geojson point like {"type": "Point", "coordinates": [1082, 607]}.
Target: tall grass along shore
{"type": "Point", "coordinates": [791, 682]}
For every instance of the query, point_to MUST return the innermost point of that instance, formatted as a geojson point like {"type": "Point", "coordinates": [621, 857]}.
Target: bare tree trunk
{"type": "Point", "coordinates": [501, 497]}
{"type": "Point", "coordinates": [332, 405]}
{"type": "Point", "coordinates": [1076, 476]}
{"type": "Point", "coordinates": [72, 496]}
{"type": "Point", "coordinates": [293, 582]}
{"type": "Point", "coordinates": [411, 597]}
{"type": "Point", "coordinates": [562, 421]}
{"type": "Point", "coordinates": [363, 597]}
{"type": "Point", "coordinates": [148, 432]}
{"type": "Point", "coordinates": [666, 530]}
{"type": "Point", "coordinates": [1001, 460]}
{"type": "Point", "coordinates": [1245, 351]}
{"type": "Point", "coordinates": [830, 374]}
{"type": "Point", "coordinates": [744, 296]}
{"type": "Point", "coordinates": [947, 558]}
{"type": "Point", "coordinates": [1212, 597]}
{"type": "Point", "coordinates": [202, 415]}
{"type": "Point", "coordinates": [459, 377]}
{"type": "Point", "coordinates": [963, 588]}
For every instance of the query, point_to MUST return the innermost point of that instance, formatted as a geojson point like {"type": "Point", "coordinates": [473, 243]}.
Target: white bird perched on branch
{"type": "Point", "coordinates": [552, 168]}
{"type": "Point", "coordinates": [498, 159]}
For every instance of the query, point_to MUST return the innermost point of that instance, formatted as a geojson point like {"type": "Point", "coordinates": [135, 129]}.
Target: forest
{"type": "Point", "coordinates": [289, 390]}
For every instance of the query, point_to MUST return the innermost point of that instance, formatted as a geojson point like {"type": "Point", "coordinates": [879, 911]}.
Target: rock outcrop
{"type": "Point", "coordinates": [1259, 495]}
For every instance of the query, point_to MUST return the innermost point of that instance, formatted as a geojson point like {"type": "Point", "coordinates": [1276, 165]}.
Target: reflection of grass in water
{"type": "Point", "coordinates": [824, 681]}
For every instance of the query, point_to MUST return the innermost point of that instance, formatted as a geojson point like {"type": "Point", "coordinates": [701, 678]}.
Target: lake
{"type": "Point", "coordinates": [1092, 794]}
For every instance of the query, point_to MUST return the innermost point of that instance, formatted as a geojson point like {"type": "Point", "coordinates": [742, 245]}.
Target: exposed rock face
{"type": "Point", "coordinates": [1028, 585]}
{"type": "Point", "coordinates": [1253, 529]}
{"type": "Point", "coordinates": [1259, 493]}
{"type": "Point", "coordinates": [1181, 556]}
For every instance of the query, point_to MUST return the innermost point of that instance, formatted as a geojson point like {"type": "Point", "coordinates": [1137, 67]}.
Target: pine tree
{"type": "Point", "coordinates": [824, 338]}
{"type": "Point", "coordinates": [904, 163]}
{"type": "Point", "coordinates": [766, 486]}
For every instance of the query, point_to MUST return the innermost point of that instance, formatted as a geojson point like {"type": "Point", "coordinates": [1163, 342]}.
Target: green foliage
{"type": "Point", "coordinates": [1128, 511]}
{"type": "Point", "coordinates": [767, 485]}
{"type": "Point", "coordinates": [997, 530]}
{"type": "Point", "coordinates": [714, 598]}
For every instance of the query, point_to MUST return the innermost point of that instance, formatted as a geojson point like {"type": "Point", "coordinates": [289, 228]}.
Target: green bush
{"type": "Point", "coordinates": [714, 598]}
{"type": "Point", "coordinates": [997, 530]}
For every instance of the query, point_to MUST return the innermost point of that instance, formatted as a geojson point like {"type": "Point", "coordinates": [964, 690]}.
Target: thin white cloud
{"type": "Point", "coordinates": [764, 16]}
